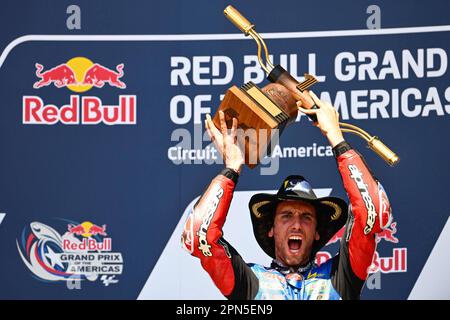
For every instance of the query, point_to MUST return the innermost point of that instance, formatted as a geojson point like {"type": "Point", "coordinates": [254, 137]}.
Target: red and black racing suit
{"type": "Point", "coordinates": [342, 276]}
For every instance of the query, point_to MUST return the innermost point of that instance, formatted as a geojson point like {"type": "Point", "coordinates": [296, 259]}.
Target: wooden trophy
{"type": "Point", "coordinates": [264, 113]}
{"type": "Point", "coordinates": [261, 111]}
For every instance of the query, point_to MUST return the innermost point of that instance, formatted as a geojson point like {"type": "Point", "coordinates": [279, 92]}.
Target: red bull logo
{"type": "Point", "coordinates": [79, 75]}
{"type": "Point", "coordinates": [388, 234]}
{"type": "Point", "coordinates": [60, 76]}
{"type": "Point", "coordinates": [395, 263]}
{"type": "Point", "coordinates": [81, 253]}
{"type": "Point", "coordinates": [95, 230]}
{"type": "Point", "coordinates": [87, 245]}
{"type": "Point", "coordinates": [87, 229]}
{"type": "Point", "coordinates": [86, 110]}
{"type": "Point", "coordinates": [78, 230]}
{"type": "Point", "coordinates": [98, 75]}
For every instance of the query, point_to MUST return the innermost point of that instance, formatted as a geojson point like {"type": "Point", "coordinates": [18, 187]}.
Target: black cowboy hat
{"type": "Point", "coordinates": [331, 212]}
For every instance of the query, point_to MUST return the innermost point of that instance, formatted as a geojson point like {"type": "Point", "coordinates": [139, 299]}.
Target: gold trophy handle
{"type": "Point", "coordinates": [238, 19]}
{"type": "Point", "coordinates": [248, 29]}
{"type": "Point", "coordinates": [383, 151]}
{"type": "Point", "coordinates": [373, 142]}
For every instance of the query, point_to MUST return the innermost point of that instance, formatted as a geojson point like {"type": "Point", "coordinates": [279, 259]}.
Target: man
{"type": "Point", "coordinates": [292, 225]}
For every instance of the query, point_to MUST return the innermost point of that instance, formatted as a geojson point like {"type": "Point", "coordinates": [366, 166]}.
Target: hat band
{"type": "Point", "coordinates": [337, 210]}
{"type": "Point", "coordinates": [256, 206]}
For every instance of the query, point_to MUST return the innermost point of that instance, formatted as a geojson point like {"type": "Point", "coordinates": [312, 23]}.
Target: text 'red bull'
{"type": "Point", "coordinates": [90, 111]}
{"type": "Point", "coordinates": [88, 244]}
{"type": "Point", "coordinates": [395, 263]}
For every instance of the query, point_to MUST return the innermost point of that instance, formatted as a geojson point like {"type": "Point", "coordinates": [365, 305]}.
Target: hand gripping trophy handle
{"type": "Point", "coordinates": [276, 74]}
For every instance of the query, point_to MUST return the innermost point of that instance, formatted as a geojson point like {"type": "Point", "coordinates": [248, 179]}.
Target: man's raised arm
{"type": "Point", "coordinates": [202, 235]}
{"type": "Point", "coordinates": [369, 210]}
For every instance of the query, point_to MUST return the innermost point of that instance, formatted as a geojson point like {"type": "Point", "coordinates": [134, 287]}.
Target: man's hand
{"type": "Point", "coordinates": [327, 117]}
{"type": "Point", "coordinates": [226, 142]}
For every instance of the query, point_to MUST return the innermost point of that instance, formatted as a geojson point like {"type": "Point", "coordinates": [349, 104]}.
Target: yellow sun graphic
{"type": "Point", "coordinates": [87, 226]}
{"type": "Point", "coordinates": [79, 66]}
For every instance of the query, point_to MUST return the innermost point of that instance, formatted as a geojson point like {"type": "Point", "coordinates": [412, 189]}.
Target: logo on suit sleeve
{"type": "Point", "coordinates": [213, 204]}
{"type": "Point", "coordinates": [357, 175]}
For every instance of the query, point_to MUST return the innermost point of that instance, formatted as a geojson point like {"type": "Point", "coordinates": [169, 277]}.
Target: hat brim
{"type": "Point", "coordinates": [331, 215]}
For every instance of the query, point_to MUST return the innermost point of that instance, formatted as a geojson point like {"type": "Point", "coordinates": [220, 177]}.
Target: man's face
{"type": "Point", "coordinates": [294, 231]}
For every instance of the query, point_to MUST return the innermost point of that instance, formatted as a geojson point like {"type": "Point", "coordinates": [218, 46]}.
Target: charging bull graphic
{"type": "Point", "coordinates": [387, 234]}
{"type": "Point", "coordinates": [65, 75]}
{"type": "Point", "coordinates": [98, 75]}
{"type": "Point", "coordinates": [86, 228]}
{"type": "Point", "coordinates": [61, 75]}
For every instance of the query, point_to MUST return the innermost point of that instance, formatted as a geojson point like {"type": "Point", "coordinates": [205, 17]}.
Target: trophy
{"type": "Point", "coordinates": [262, 112]}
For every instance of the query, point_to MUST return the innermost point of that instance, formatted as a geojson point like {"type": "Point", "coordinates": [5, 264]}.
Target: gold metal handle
{"type": "Point", "coordinates": [238, 19]}
{"type": "Point", "coordinates": [373, 142]}
{"type": "Point", "coordinates": [383, 151]}
{"type": "Point", "coordinates": [248, 29]}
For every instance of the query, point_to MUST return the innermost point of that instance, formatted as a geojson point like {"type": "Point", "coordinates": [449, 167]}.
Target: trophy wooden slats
{"type": "Point", "coordinates": [308, 82]}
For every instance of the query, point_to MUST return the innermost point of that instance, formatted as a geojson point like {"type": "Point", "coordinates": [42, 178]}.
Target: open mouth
{"type": "Point", "coordinates": [294, 243]}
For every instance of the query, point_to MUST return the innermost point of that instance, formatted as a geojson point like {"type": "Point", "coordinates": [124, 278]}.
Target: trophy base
{"type": "Point", "coordinates": [261, 119]}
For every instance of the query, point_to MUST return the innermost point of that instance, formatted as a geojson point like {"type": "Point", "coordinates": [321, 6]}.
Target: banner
{"type": "Point", "coordinates": [104, 150]}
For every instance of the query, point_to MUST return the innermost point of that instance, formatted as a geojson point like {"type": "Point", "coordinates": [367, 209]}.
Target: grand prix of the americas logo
{"type": "Point", "coordinates": [79, 75]}
{"type": "Point", "coordinates": [395, 263]}
{"type": "Point", "coordinates": [83, 252]}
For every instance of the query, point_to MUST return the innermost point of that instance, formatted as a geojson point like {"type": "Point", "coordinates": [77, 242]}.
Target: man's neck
{"type": "Point", "coordinates": [293, 268]}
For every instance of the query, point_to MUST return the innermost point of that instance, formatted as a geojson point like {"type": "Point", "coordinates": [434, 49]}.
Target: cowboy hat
{"type": "Point", "coordinates": [331, 212]}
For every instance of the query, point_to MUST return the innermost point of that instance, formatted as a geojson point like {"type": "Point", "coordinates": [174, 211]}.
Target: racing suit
{"type": "Point", "coordinates": [341, 277]}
